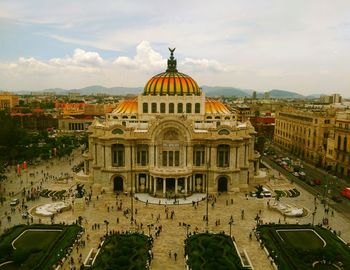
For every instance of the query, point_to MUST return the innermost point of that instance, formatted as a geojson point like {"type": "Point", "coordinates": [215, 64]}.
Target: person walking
{"type": "Point", "coordinates": [175, 255]}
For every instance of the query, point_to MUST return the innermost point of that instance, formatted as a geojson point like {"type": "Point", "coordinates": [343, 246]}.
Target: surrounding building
{"type": "Point", "coordinates": [338, 152]}
{"type": "Point", "coordinates": [170, 141]}
{"type": "Point", "coordinates": [335, 98]}
{"type": "Point", "coordinates": [304, 133]}
{"type": "Point", "coordinates": [8, 100]}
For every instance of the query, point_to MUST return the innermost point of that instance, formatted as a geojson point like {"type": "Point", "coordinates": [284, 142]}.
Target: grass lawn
{"type": "Point", "coordinates": [298, 247]}
{"type": "Point", "coordinates": [303, 239]}
{"type": "Point", "coordinates": [36, 239]}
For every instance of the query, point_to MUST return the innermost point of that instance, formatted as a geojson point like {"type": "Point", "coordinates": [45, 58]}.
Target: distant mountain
{"type": "Point", "coordinates": [98, 89]}
{"type": "Point", "coordinates": [314, 96]}
{"type": "Point", "coordinates": [275, 93]}
{"type": "Point", "coordinates": [212, 91]}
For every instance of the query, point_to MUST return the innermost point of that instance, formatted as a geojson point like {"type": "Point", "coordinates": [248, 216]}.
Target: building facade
{"type": "Point", "coordinates": [170, 140]}
{"type": "Point", "coordinates": [338, 153]}
{"type": "Point", "coordinates": [8, 100]}
{"type": "Point", "coordinates": [304, 133]}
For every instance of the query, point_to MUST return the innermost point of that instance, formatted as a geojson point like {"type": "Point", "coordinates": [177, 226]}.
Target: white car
{"type": "Point", "coordinates": [14, 202]}
{"type": "Point", "coordinates": [296, 174]}
{"type": "Point", "coordinates": [266, 192]}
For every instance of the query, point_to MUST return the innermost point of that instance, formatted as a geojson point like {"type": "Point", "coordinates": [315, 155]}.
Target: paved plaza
{"type": "Point", "coordinates": [149, 216]}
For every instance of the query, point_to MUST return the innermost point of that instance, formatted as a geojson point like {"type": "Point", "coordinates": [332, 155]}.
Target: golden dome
{"type": "Point", "coordinates": [172, 82]}
{"type": "Point", "coordinates": [127, 106]}
{"type": "Point", "coordinates": [215, 107]}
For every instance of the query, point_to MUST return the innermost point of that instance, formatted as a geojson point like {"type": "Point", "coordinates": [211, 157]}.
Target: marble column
{"type": "Point", "coordinates": [176, 185]}
{"type": "Point", "coordinates": [154, 185]}
{"type": "Point", "coordinates": [164, 186]}
{"type": "Point", "coordinates": [186, 179]}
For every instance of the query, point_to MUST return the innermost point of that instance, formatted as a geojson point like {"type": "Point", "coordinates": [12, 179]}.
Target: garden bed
{"type": "Point", "coordinates": [36, 246]}
{"type": "Point", "coordinates": [124, 251]}
{"type": "Point", "coordinates": [212, 251]}
{"type": "Point", "coordinates": [298, 247]}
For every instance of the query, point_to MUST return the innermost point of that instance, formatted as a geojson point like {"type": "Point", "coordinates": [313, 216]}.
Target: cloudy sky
{"type": "Point", "coordinates": [298, 45]}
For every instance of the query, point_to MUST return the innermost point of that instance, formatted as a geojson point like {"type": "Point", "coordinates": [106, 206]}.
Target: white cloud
{"type": "Point", "coordinates": [146, 58]}
{"type": "Point", "coordinates": [87, 67]}
{"type": "Point", "coordinates": [203, 65]}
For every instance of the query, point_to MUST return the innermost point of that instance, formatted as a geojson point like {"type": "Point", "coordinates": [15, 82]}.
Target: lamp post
{"type": "Point", "coordinates": [313, 217]}
{"type": "Point", "coordinates": [231, 223]}
{"type": "Point", "coordinates": [131, 192]}
{"type": "Point", "coordinates": [186, 226]}
{"type": "Point", "coordinates": [207, 200]}
{"type": "Point", "coordinates": [106, 223]}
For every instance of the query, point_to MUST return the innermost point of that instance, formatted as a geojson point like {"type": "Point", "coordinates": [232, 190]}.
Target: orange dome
{"type": "Point", "coordinates": [172, 82]}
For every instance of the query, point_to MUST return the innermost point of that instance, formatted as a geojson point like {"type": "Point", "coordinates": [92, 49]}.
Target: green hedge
{"type": "Point", "coordinates": [37, 258]}
{"type": "Point", "coordinates": [290, 258]}
{"type": "Point", "coordinates": [124, 251]}
{"type": "Point", "coordinates": [211, 251]}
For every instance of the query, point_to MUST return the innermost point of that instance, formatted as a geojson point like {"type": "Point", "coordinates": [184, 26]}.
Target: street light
{"type": "Point", "coordinates": [231, 223]}
{"type": "Point", "coordinates": [207, 195]}
{"type": "Point", "coordinates": [106, 223]}
{"type": "Point", "coordinates": [187, 226]}
{"type": "Point", "coordinates": [313, 217]}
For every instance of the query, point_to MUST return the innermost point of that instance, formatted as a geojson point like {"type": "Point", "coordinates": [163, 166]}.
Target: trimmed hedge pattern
{"type": "Point", "coordinates": [290, 258]}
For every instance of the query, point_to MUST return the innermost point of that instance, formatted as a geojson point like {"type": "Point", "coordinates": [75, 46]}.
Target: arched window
{"type": "Point", "coordinates": [145, 107]}
{"type": "Point", "coordinates": [162, 107]}
{"type": "Point", "coordinates": [180, 108]}
{"type": "Point", "coordinates": [171, 107]}
{"type": "Point", "coordinates": [197, 108]}
{"type": "Point", "coordinates": [118, 155]}
{"type": "Point", "coordinates": [188, 108]}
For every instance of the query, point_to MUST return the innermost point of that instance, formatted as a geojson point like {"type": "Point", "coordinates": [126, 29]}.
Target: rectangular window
{"type": "Point", "coordinates": [177, 158]}
{"type": "Point", "coordinates": [197, 108]}
{"type": "Point", "coordinates": [165, 158]}
{"type": "Point", "coordinates": [179, 108]}
{"type": "Point", "coordinates": [162, 107]}
{"type": "Point", "coordinates": [118, 155]}
{"type": "Point", "coordinates": [171, 158]}
{"type": "Point", "coordinates": [188, 108]}
{"type": "Point", "coordinates": [145, 107]}
{"type": "Point", "coordinates": [154, 107]}
{"type": "Point", "coordinates": [223, 153]}
{"type": "Point", "coordinates": [171, 107]}
{"type": "Point", "coordinates": [142, 155]}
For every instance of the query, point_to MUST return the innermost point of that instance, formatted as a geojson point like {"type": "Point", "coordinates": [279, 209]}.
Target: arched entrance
{"type": "Point", "coordinates": [118, 184]}
{"type": "Point", "coordinates": [222, 184]}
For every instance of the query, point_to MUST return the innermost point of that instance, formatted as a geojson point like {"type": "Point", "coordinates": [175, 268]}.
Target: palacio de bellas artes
{"type": "Point", "coordinates": [170, 141]}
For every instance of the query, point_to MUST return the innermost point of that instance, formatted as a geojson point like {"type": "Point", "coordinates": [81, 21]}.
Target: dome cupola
{"type": "Point", "coordinates": [172, 82]}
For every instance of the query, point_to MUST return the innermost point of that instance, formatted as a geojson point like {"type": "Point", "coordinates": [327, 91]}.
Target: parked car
{"type": "Point", "coordinates": [296, 174]}
{"type": "Point", "coordinates": [317, 182]}
{"type": "Point", "coordinates": [336, 198]}
{"type": "Point", "coordinates": [346, 192]}
{"type": "Point", "coordinates": [14, 202]}
{"type": "Point", "coordinates": [311, 183]}
{"type": "Point", "coordinates": [266, 192]}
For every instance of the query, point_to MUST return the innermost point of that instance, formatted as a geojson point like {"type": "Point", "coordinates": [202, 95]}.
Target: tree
{"type": "Point", "coordinates": [260, 144]}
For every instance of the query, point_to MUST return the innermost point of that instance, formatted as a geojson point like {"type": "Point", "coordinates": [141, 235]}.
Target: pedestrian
{"type": "Point", "coordinates": [169, 253]}
{"type": "Point", "coordinates": [175, 255]}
